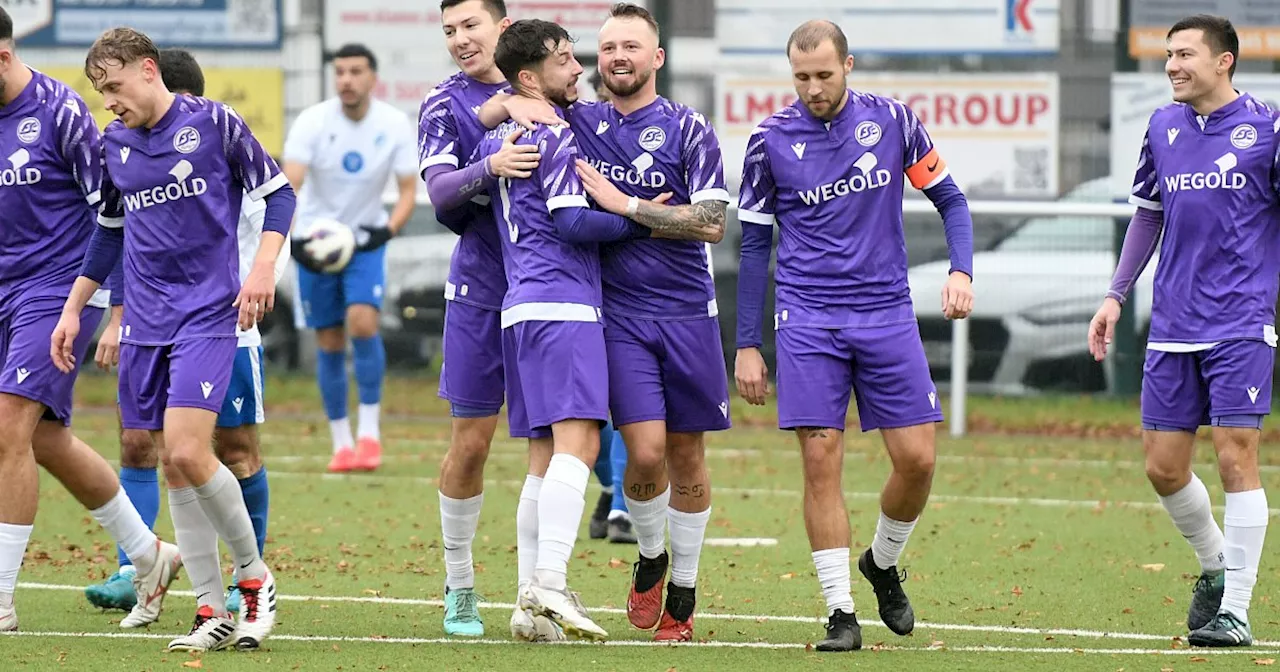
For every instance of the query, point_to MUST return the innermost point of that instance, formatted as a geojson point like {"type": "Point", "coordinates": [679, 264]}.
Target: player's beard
{"type": "Point", "coordinates": [638, 80]}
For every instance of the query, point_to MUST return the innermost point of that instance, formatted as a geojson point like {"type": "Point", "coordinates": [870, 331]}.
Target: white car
{"type": "Point", "coordinates": [1034, 295]}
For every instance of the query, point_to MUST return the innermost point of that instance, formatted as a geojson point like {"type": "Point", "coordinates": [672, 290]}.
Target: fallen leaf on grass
{"type": "Point", "coordinates": [615, 563]}
{"type": "Point", "coordinates": [1017, 591]}
{"type": "Point", "coordinates": [1126, 610]}
{"type": "Point", "coordinates": [193, 663]}
{"type": "Point", "coordinates": [1166, 669]}
{"type": "Point", "coordinates": [937, 644]}
{"type": "Point", "coordinates": [1154, 567]}
{"type": "Point", "coordinates": [1168, 600]}
{"type": "Point", "coordinates": [1264, 661]}
{"type": "Point", "coordinates": [1199, 659]}
{"type": "Point", "coordinates": [788, 575]}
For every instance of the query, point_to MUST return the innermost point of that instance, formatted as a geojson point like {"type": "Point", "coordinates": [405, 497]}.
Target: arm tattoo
{"type": "Point", "coordinates": [701, 221]}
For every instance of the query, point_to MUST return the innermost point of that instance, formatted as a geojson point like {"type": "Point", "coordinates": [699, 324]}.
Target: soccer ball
{"type": "Point", "coordinates": [329, 245]}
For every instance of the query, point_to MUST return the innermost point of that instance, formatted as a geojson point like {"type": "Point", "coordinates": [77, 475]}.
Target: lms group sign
{"type": "Point", "coordinates": [998, 133]}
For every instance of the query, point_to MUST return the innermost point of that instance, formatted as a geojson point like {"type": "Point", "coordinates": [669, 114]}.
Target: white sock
{"type": "Point", "coordinates": [458, 521]}
{"type": "Point", "coordinates": [341, 432]}
{"type": "Point", "coordinates": [833, 575]}
{"type": "Point", "coordinates": [560, 506]}
{"type": "Point", "coordinates": [1192, 513]}
{"type": "Point", "coordinates": [198, 543]}
{"type": "Point", "coordinates": [13, 544]}
{"type": "Point", "coordinates": [687, 532]}
{"type": "Point", "coordinates": [527, 530]}
{"type": "Point", "coordinates": [650, 521]}
{"type": "Point", "coordinates": [369, 414]}
{"type": "Point", "coordinates": [891, 537]}
{"type": "Point", "coordinates": [223, 503]}
{"type": "Point", "coordinates": [1246, 529]}
{"type": "Point", "coordinates": [122, 522]}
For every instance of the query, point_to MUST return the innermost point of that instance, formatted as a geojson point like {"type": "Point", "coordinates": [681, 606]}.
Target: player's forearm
{"type": "Point", "coordinates": [296, 173]}
{"type": "Point", "coordinates": [450, 188]}
{"type": "Point", "coordinates": [494, 111]}
{"type": "Point", "coordinates": [1140, 241]}
{"type": "Point", "coordinates": [584, 225]}
{"type": "Point", "coordinates": [269, 252]}
{"type": "Point", "coordinates": [403, 210]}
{"type": "Point", "coordinates": [957, 223]}
{"type": "Point", "coordinates": [753, 283]}
{"type": "Point", "coordinates": [701, 221]}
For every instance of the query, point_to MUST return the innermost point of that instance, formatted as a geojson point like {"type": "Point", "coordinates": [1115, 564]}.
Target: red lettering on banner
{"type": "Point", "coordinates": [991, 109]}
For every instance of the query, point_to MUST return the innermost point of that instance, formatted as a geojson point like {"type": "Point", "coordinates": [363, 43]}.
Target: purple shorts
{"type": "Point", "coordinates": [26, 369]}
{"type": "Point", "coordinates": [471, 375]}
{"type": "Point", "coordinates": [1185, 390]}
{"type": "Point", "coordinates": [670, 370]}
{"type": "Point", "coordinates": [187, 374]}
{"type": "Point", "coordinates": [884, 367]}
{"type": "Point", "coordinates": [555, 371]}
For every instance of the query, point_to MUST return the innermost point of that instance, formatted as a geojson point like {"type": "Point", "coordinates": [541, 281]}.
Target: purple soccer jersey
{"type": "Point", "coordinates": [1217, 180]}
{"type": "Point", "coordinates": [177, 188]}
{"type": "Point", "coordinates": [548, 278]}
{"type": "Point", "coordinates": [835, 191]}
{"type": "Point", "coordinates": [50, 182]}
{"type": "Point", "coordinates": [663, 147]}
{"type": "Point", "coordinates": [448, 133]}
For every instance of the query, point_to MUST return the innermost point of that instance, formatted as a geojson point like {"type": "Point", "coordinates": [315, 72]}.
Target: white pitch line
{"type": "Point", "coordinates": [506, 606]}
{"type": "Point", "coordinates": [631, 643]}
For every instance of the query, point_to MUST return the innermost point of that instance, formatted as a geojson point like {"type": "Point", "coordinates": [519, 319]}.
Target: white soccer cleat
{"type": "Point", "coordinates": [210, 633]}
{"type": "Point", "coordinates": [526, 627]}
{"type": "Point", "coordinates": [9, 619]}
{"type": "Point", "coordinates": [152, 587]}
{"type": "Point", "coordinates": [257, 611]}
{"type": "Point", "coordinates": [564, 608]}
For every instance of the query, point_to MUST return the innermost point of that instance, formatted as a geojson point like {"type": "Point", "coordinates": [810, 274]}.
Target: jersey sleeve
{"type": "Point", "coordinates": [557, 171]}
{"type": "Point", "coordinates": [921, 162]}
{"type": "Point", "coordinates": [250, 164]}
{"type": "Point", "coordinates": [1146, 184]}
{"type": "Point", "coordinates": [703, 163]}
{"type": "Point", "coordinates": [300, 143]}
{"type": "Point", "coordinates": [80, 145]}
{"type": "Point", "coordinates": [757, 199]}
{"type": "Point", "coordinates": [438, 143]}
{"type": "Point", "coordinates": [111, 201]}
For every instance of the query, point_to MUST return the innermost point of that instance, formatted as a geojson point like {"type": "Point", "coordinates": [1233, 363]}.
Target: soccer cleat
{"type": "Point", "coordinates": [368, 454]}
{"type": "Point", "coordinates": [676, 624]}
{"type": "Point", "coordinates": [8, 615]}
{"type": "Point", "coordinates": [1224, 630]}
{"type": "Point", "coordinates": [1206, 599]}
{"type": "Point", "coordinates": [462, 613]}
{"type": "Point", "coordinates": [526, 627]}
{"type": "Point", "coordinates": [620, 531]}
{"type": "Point", "coordinates": [564, 608]}
{"type": "Point", "coordinates": [598, 528]}
{"type": "Point", "coordinates": [233, 600]}
{"type": "Point", "coordinates": [114, 593]}
{"type": "Point", "coordinates": [257, 611]}
{"type": "Point", "coordinates": [895, 608]}
{"type": "Point", "coordinates": [152, 587]}
{"type": "Point", "coordinates": [843, 633]}
{"type": "Point", "coordinates": [343, 461]}
{"type": "Point", "coordinates": [210, 632]}
{"type": "Point", "coordinates": [644, 602]}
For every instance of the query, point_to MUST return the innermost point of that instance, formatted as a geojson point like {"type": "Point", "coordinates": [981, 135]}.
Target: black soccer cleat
{"type": "Point", "coordinates": [895, 608]}
{"type": "Point", "coordinates": [1225, 630]}
{"type": "Point", "coordinates": [1206, 599]}
{"type": "Point", "coordinates": [598, 528]}
{"type": "Point", "coordinates": [843, 633]}
{"type": "Point", "coordinates": [621, 531]}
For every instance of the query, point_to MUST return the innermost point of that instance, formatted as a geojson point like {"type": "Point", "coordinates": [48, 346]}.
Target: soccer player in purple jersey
{"type": "Point", "coordinates": [175, 171]}
{"type": "Point", "coordinates": [1209, 178]}
{"type": "Point", "coordinates": [829, 171]}
{"type": "Point", "coordinates": [50, 188]}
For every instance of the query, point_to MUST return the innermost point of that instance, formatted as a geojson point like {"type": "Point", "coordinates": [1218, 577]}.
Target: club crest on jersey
{"type": "Point", "coordinates": [352, 162]}
{"type": "Point", "coordinates": [29, 130]}
{"type": "Point", "coordinates": [652, 138]}
{"type": "Point", "coordinates": [186, 140]}
{"type": "Point", "coordinates": [1243, 136]}
{"type": "Point", "coordinates": [867, 133]}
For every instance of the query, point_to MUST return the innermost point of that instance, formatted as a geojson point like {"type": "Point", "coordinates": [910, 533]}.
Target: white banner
{"type": "Point", "coordinates": [895, 26]}
{"type": "Point", "coordinates": [1135, 95]}
{"type": "Point", "coordinates": [408, 40]}
{"type": "Point", "coordinates": [997, 132]}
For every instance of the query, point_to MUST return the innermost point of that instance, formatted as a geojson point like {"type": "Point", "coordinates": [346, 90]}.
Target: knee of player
{"type": "Point", "coordinates": [1164, 474]}
{"type": "Point", "coordinates": [916, 464]}
{"type": "Point", "coordinates": [186, 456]}
{"type": "Point", "coordinates": [137, 449]}
{"type": "Point", "coordinates": [470, 448]}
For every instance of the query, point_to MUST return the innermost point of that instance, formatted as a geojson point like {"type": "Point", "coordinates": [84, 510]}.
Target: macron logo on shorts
{"type": "Point", "coordinates": [207, 388]}
{"type": "Point", "coordinates": [724, 408]}
{"type": "Point", "coordinates": [238, 402]}
{"type": "Point", "coordinates": [1253, 393]}
{"type": "Point", "coordinates": [23, 373]}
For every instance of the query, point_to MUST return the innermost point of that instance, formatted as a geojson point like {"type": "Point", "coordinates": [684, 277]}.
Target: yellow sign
{"type": "Point", "coordinates": [257, 94]}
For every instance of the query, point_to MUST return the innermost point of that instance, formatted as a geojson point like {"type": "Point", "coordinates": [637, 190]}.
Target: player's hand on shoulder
{"type": "Point", "coordinates": [529, 112]}
{"type": "Point", "coordinates": [514, 161]}
{"type": "Point", "coordinates": [752, 376]}
{"type": "Point", "coordinates": [62, 342]}
{"type": "Point", "coordinates": [375, 237]}
{"type": "Point", "coordinates": [107, 354]}
{"type": "Point", "coordinates": [957, 296]}
{"type": "Point", "coordinates": [1102, 328]}
{"type": "Point", "coordinates": [600, 189]}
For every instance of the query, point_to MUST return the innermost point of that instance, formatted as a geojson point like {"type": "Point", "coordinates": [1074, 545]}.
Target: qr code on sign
{"type": "Point", "coordinates": [252, 20]}
{"type": "Point", "coordinates": [1031, 169]}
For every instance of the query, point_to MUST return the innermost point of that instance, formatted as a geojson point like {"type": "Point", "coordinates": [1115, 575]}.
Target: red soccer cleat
{"type": "Point", "coordinates": [368, 454]}
{"type": "Point", "coordinates": [671, 630]}
{"type": "Point", "coordinates": [343, 461]}
{"type": "Point", "coordinates": [644, 602]}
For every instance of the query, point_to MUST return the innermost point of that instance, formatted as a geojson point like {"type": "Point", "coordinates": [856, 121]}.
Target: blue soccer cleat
{"type": "Point", "coordinates": [115, 593]}
{"type": "Point", "coordinates": [462, 613]}
{"type": "Point", "coordinates": [233, 599]}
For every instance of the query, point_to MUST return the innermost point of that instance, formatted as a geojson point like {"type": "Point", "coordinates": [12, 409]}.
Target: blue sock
{"type": "Point", "coordinates": [257, 498]}
{"type": "Point", "coordinates": [331, 373]}
{"type": "Point", "coordinates": [618, 456]}
{"type": "Point", "coordinates": [371, 366]}
{"type": "Point", "coordinates": [604, 467]}
{"type": "Point", "coordinates": [143, 490]}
